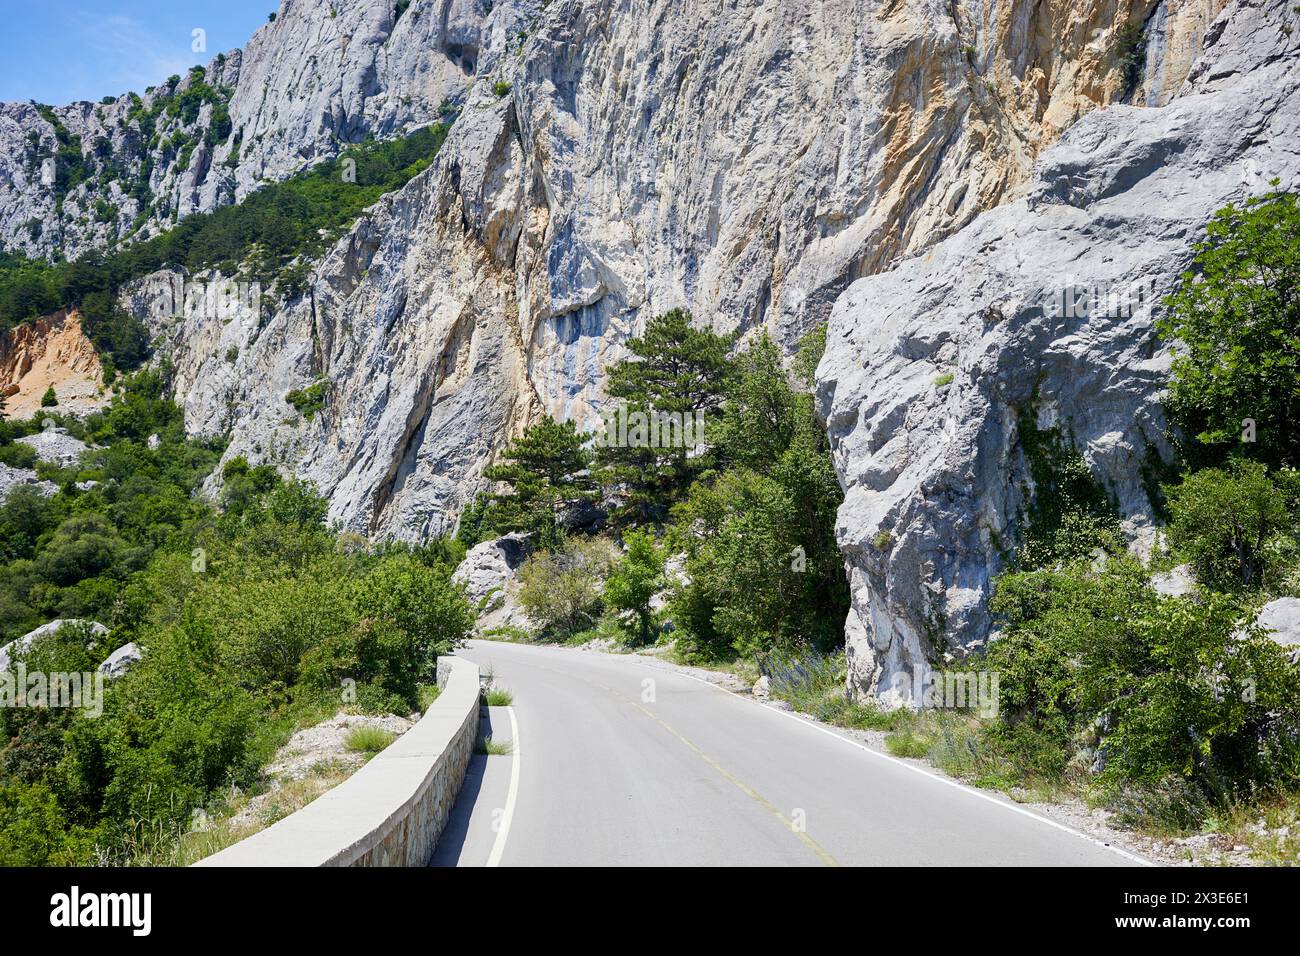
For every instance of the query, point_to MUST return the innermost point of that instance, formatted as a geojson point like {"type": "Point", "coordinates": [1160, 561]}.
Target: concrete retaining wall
{"type": "Point", "coordinates": [391, 811]}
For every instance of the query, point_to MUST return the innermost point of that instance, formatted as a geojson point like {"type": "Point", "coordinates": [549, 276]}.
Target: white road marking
{"type": "Point", "coordinates": [804, 722]}
{"type": "Point", "coordinates": [499, 844]}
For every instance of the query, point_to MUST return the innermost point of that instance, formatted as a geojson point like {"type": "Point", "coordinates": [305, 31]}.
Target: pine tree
{"type": "Point", "coordinates": [678, 370]}
{"type": "Point", "coordinates": [548, 470]}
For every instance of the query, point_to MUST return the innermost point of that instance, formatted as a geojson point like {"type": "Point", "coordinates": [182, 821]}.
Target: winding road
{"type": "Point", "coordinates": [620, 760]}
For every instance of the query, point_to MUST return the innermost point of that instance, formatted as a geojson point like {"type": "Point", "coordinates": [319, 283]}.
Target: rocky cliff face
{"type": "Point", "coordinates": [744, 162]}
{"type": "Point", "coordinates": [612, 159]}
{"type": "Point", "coordinates": [320, 76]}
{"type": "Point", "coordinates": [1045, 305]}
{"type": "Point", "coordinates": [51, 352]}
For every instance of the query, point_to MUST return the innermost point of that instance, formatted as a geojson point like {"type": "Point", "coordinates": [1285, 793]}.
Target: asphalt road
{"type": "Point", "coordinates": [620, 761]}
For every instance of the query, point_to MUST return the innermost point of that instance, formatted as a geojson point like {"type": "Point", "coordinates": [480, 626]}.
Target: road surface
{"type": "Point", "coordinates": [623, 761]}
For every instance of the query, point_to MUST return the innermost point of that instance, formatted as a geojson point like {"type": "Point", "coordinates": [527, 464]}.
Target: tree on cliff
{"type": "Point", "coordinates": [1235, 386]}
{"type": "Point", "coordinates": [548, 470]}
{"type": "Point", "coordinates": [676, 372]}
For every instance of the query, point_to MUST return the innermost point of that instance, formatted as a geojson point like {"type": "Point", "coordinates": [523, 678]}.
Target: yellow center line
{"type": "Point", "coordinates": [786, 823]}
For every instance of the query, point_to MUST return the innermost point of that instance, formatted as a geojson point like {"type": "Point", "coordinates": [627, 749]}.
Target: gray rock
{"type": "Point", "coordinates": [489, 567]}
{"type": "Point", "coordinates": [762, 688]}
{"type": "Point", "coordinates": [935, 480]}
{"type": "Point", "coordinates": [1281, 620]}
{"type": "Point", "coordinates": [121, 660]}
{"type": "Point", "coordinates": [319, 77]}
{"type": "Point", "coordinates": [1176, 582]}
{"type": "Point", "coordinates": [56, 446]}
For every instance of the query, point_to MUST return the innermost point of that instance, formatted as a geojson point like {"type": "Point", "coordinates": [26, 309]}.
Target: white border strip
{"type": "Point", "coordinates": [814, 725]}
{"type": "Point", "coordinates": [499, 844]}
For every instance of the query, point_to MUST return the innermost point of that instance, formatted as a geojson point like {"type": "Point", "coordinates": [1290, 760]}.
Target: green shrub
{"type": "Point", "coordinates": [498, 697]}
{"type": "Point", "coordinates": [368, 739]}
{"type": "Point", "coordinates": [1234, 385]}
{"type": "Point", "coordinates": [561, 590]}
{"type": "Point", "coordinates": [310, 400]}
{"type": "Point", "coordinates": [1234, 525]}
{"type": "Point", "coordinates": [1177, 688]}
{"type": "Point", "coordinates": [634, 580]}
{"type": "Point", "coordinates": [1130, 51]}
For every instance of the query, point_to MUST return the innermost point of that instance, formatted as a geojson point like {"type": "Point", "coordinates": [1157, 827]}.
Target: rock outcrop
{"type": "Point", "coordinates": [51, 352]}
{"type": "Point", "coordinates": [930, 365]}
{"type": "Point", "coordinates": [489, 567]}
{"type": "Point", "coordinates": [1280, 619]}
{"type": "Point", "coordinates": [121, 660]}
{"type": "Point", "coordinates": [317, 77]}
{"type": "Point", "coordinates": [745, 162]}
{"type": "Point", "coordinates": [748, 161]}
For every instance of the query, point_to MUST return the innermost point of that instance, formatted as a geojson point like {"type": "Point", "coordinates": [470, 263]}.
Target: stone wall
{"type": "Point", "coordinates": [391, 811]}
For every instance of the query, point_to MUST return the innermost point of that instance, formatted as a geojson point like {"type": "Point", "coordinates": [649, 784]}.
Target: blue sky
{"type": "Point", "coordinates": [58, 51]}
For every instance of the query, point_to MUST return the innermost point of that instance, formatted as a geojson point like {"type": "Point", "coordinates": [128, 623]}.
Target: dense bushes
{"type": "Point", "coordinates": [1169, 681]}
{"type": "Point", "coordinates": [750, 504]}
{"type": "Point", "coordinates": [253, 621]}
{"type": "Point", "coordinates": [1187, 705]}
{"type": "Point", "coordinates": [561, 590]}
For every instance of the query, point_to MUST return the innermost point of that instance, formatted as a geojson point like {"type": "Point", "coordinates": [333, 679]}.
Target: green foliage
{"type": "Point", "coordinates": [634, 581]}
{"type": "Point", "coordinates": [1238, 527]}
{"type": "Point", "coordinates": [548, 471]}
{"type": "Point", "coordinates": [1236, 317]}
{"type": "Point", "coordinates": [49, 399]}
{"type": "Point", "coordinates": [764, 570]}
{"type": "Point", "coordinates": [561, 590]}
{"type": "Point", "coordinates": [253, 621]}
{"type": "Point", "coordinates": [675, 369]}
{"type": "Point", "coordinates": [310, 400]}
{"type": "Point", "coordinates": [70, 166]}
{"type": "Point", "coordinates": [1130, 51]}
{"type": "Point", "coordinates": [1069, 515]}
{"type": "Point", "coordinates": [1178, 690]}
{"type": "Point", "coordinates": [368, 739]}
{"type": "Point", "coordinates": [811, 348]}
{"type": "Point", "coordinates": [501, 88]}
{"type": "Point", "coordinates": [498, 697]}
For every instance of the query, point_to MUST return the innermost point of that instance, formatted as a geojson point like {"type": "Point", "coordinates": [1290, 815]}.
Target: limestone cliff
{"type": "Point", "coordinates": [750, 161]}
{"type": "Point", "coordinates": [1044, 306]}
{"type": "Point", "coordinates": [746, 162]}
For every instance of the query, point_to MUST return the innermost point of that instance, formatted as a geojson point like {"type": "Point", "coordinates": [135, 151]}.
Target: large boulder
{"type": "Point", "coordinates": [121, 660]}
{"type": "Point", "coordinates": [1041, 310]}
{"type": "Point", "coordinates": [489, 567]}
{"type": "Point", "coordinates": [23, 643]}
{"type": "Point", "coordinates": [1281, 620]}
{"type": "Point", "coordinates": [1176, 582]}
